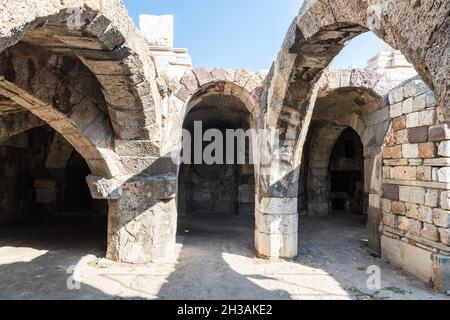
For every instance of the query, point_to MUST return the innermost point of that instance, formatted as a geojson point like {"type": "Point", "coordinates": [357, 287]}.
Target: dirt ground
{"type": "Point", "coordinates": [215, 260]}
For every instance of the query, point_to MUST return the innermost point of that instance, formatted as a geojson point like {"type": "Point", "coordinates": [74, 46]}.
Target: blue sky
{"type": "Point", "coordinates": [240, 33]}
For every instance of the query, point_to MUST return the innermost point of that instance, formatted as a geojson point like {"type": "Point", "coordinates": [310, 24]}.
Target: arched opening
{"type": "Point", "coordinates": [45, 197]}
{"type": "Point", "coordinates": [347, 174]}
{"type": "Point", "coordinates": [223, 188]}
{"type": "Point", "coordinates": [56, 122]}
{"type": "Point", "coordinates": [347, 130]}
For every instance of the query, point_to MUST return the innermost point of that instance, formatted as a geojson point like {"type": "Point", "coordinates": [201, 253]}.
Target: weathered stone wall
{"type": "Point", "coordinates": [41, 174]}
{"type": "Point", "coordinates": [220, 188]}
{"type": "Point", "coordinates": [121, 104]}
{"type": "Point", "coordinates": [94, 82]}
{"type": "Point", "coordinates": [415, 183]}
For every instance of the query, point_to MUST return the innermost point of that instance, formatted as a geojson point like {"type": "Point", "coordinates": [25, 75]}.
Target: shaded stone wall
{"type": "Point", "coordinates": [13, 159]}
{"type": "Point", "coordinates": [40, 178]}
{"type": "Point", "coordinates": [217, 189]}
{"type": "Point", "coordinates": [346, 173]}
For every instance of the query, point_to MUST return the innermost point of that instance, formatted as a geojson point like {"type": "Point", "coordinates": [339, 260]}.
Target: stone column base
{"type": "Point", "coordinates": [441, 266]}
{"type": "Point", "coordinates": [276, 230]}
{"type": "Point", "coordinates": [142, 223]}
{"type": "Point", "coordinates": [276, 246]}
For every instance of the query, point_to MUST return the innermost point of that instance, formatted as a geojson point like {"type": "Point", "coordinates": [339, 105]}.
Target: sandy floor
{"type": "Point", "coordinates": [215, 260]}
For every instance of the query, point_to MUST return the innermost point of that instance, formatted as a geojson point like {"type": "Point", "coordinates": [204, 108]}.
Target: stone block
{"type": "Point", "coordinates": [432, 198]}
{"type": "Point", "coordinates": [398, 208]}
{"type": "Point", "coordinates": [379, 116]}
{"type": "Point", "coordinates": [414, 88]}
{"type": "Point", "coordinates": [386, 205]}
{"type": "Point", "coordinates": [45, 184]}
{"type": "Point", "coordinates": [408, 106]}
{"type": "Point", "coordinates": [441, 218]}
{"type": "Point", "coordinates": [157, 30]}
{"type": "Point", "coordinates": [444, 149]}
{"type": "Point", "coordinates": [396, 110]}
{"type": "Point", "coordinates": [390, 220]}
{"type": "Point", "coordinates": [444, 235]}
{"type": "Point", "coordinates": [435, 174]}
{"type": "Point", "coordinates": [403, 224]}
{"type": "Point", "coordinates": [401, 137]}
{"type": "Point", "coordinates": [387, 173]}
{"type": "Point", "coordinates": [431, 100]}
{"type": "Point", "coordinates": [398, 95]}
{"type": "Point", "coordinates": [430, 232]}
{"type": "Point", "coordinates": [415, 228]}
{"type": "Point", "coordinates": [136, 148]}
{"type": "Point", "coordinates": [419, 103]}
{"type": "Point", "coordinates": [415, 162]}
{"type": "Point", "coordinates": [439, 132]}
{"type": "Point", "coordinates": [277, 206]}
{"type": "Point", "coordinates": [405, 173]}
{"type": "Point", "coordinates": [281, 224]}
{"type": "Point", "coordinates": [441, 276]}
{"type": "Point", "coordinates": [414, 195]}
{"type": "Point", "coordinates": [445, 200]}
{"type": "Point", "coordinates": [104, 188]}
{"type": "Point", "coordinates": [392, 152]}
{"type": "Point", "coordinates": [412, 120]}
{"type": "Point", "coordinates": [374, 201]}
{"type": "Point", "coordinates": [391, 192]}
{"type": "Point", "coordinates": [417, 135]}
{"type": "Point", "coordinates": [427, 117]}
{"type": "Point", "coordinates": [412, 211]}
{"type": "Point", "coordinates": [414, 260]}
{"type": "Point", "coordinates": [426, 214]}
{"type": "Point", "coordinates": [424, 173]}
{"type": "Point", "coordinates": [427, 150]}
{"type": "Point", "coordinates": [45, 196]}
{"type": "Point", "coordinates": [399, 123]}
{"type": "Point", "coordinates": [276, 246]}
{"type": "Point", "coordinates": [444, 175]}
{"type": "Point", "coordinates": [410, 151]}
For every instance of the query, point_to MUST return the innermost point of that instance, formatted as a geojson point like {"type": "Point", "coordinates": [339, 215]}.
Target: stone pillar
{"type": "Point", "coordinates": [276, 215]}
{"type": "Point", "coordinates": [142, 217]}
{"type": "Point", "coordinates": [276, 233]}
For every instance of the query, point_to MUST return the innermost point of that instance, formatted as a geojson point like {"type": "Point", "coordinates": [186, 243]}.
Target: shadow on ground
{"type": "Point", "coordinates": [44, 251]}
{"type": "Point", "coordinates": [215, 260]}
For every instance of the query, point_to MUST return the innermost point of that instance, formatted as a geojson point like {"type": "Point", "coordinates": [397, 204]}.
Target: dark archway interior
{"type": "Point", "coordinates": [346, 173]}
{"type": "Point", "coordinates": [217, 189]}
{"type": "Point", "coordinates": [42, 183]}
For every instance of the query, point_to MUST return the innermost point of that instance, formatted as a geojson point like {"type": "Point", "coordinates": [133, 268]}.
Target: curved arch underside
{"type": "Point", "coordinates": [102, 36]}
{"type": "Point", "coordinates": [322, 29]}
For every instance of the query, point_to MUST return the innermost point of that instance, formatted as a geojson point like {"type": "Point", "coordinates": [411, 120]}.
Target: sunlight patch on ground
{"type": "Point", "coordinates": [300, 281]}
{"type": "Point", "coordinates": [10, 255]}
{"type": "Point", "coordinates": [124, 281]}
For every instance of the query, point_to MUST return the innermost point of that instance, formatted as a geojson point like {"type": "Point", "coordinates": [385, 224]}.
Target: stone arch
{"type": "Point", "coordinates": [85, 127]}
{"type": "Point", "coordinates": [17, 123]}
{"type": "Point", "coordinates": [319, 33]}
{"type": "Point", "coordinates": [235, 91]}
{"type": "Point", "coordinates": [200, 83]}
{"type": "Point", "coordinates": [103, 37]}
{"type": "Point", "coordinates": [347, 99]}
{"type": "Point", "coordinates": [319, 161]}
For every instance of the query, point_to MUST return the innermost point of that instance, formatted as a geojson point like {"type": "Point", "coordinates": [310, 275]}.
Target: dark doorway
{"type": "Point", "coordinates": [346, 173]}
{"type": "Point", "coordinates": [217, 189]}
